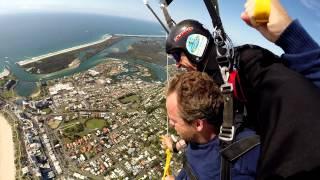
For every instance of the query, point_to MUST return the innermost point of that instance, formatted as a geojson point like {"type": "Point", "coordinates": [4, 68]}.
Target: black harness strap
{"type": "Point", "coordinates": [224, 46]}
{"type": "Point", "coordinates": [238, 148]}
{"type": "Point", "coordinates": [167, 1]}
{"type": "Point", "coordinates": [227, 131]}
{"type": "Point", "coordinates": [225, 166]}
{"type": "Point", "coordinates": [213, 9]}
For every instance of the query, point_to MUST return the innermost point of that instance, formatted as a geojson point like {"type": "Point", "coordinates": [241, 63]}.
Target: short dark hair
{"type": "Point", "coordinates": [198, 97]}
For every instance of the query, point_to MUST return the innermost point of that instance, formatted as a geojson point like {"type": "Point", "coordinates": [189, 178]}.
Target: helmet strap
{"type": "Point", "coordinates": [205, 65]}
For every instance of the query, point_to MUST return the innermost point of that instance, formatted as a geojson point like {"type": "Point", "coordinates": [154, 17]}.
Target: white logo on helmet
{"type": "Point", "coordinates": [196, 44]}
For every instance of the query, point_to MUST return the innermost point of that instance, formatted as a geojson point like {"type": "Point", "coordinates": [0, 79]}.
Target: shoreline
{"type": "Point", "coordinates": [104, 38]}
{"type": "Point", "coordinates": [4, 73]}
{"type": "Point", "coordinates": [25, 62]}
{"type": "Point", "coordinates": [7, 166]}
{"type": "Point", "coordinates": [37, 92]}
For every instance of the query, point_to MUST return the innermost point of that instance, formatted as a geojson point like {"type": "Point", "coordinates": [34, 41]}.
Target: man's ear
{"type": "Point", "coordinates": [198, 124]}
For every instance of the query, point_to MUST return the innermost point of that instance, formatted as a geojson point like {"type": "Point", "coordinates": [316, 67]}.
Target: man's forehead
{"type": "Point", "coordinates": [171, 101]}
{"type": "Point", "coordinates": [172, 105]}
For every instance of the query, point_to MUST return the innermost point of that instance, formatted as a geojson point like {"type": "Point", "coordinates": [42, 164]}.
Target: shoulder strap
{"type": "Point", "coordinates": [233, 152]}
{"type": "Point", "coordinates": [225, 173]}
{"type": "Point", "coordinates": [238, 148]}
{"type": "Point", "coordinates": [227, 131]}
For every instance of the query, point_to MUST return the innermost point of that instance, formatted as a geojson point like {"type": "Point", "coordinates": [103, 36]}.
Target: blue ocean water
{"type": "Point", "coordinates": [32, 34]}
{"type": "Point", "coordinates": [27, 35]}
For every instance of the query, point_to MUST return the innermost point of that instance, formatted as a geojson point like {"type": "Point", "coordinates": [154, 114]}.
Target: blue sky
{"type": "Point", "coordinates": [305, 10]}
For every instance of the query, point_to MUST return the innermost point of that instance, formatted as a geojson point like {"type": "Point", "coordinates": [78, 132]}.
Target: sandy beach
{"type": "Point", "coordinates": [7, 167]}
{"type": "Point", "coordinates": [4, 73]}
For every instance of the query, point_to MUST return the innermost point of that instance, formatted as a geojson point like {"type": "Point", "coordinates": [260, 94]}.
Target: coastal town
{"type": "Point", "coordinates": [103, 123]}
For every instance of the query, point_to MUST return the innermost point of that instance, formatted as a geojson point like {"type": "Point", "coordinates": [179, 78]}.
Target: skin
{"type": "Point", "coordinates": [184, 130]}
{"type": "Point", "coordinates": [185, 63]}
{"type": "Point", "coordinates": [279, 20]}
{"type": "Point", "coordinates": [167, 143]}
{"type": "Point", "coordinates": [198, 131]}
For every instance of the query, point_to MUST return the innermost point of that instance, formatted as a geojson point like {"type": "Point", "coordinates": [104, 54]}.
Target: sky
{"type": "Point", "coordinates": [307, 11]}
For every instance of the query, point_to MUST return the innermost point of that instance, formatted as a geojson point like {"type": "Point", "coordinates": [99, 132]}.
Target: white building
{"type": "Point", "coordinates": [58, 87]}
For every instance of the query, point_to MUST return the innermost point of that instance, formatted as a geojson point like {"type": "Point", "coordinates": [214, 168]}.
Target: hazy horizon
{"type": "Point", "coordinates": [304, 10]}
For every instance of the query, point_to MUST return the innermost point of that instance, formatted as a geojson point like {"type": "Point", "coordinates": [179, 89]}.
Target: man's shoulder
{"type": "Point", "coordinates": [248, 48]}
{"type": "Point", "coordinates": [249, 51]}
{"type": "Point", "coordinates": [246, 132]}
{"type": "Point", "coordinates": [246, 165]}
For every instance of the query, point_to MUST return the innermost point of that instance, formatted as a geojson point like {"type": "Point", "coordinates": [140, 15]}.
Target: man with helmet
{"type": "Point", "coordinates": [301, 51]}
{"type": "Point", "coordinates": [194, 52]}
{"type": "Point", "coordinates": [270, 91]}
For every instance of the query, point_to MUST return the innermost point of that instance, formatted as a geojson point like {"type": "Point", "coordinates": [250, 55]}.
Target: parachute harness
{"type": "Point", "coordinates": [226, 62]}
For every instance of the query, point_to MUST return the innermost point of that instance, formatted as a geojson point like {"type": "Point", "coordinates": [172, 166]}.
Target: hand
{"type": "Point", "coordinates": [279, 20]}
{"type": "Point", "coordinates": [181, 144]}
{"type": "Point", "coordinates": [169, 178]}
{"type": "Point", "coordinates": [166, 142]}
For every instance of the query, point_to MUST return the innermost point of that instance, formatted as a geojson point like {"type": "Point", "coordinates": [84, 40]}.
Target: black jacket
{"type": "Point", "coordinates": [284, 108]}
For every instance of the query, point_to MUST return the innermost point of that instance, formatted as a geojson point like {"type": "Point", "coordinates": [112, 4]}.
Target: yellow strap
{"type": "Point", "coordinates": [166, 171]}
{"type": "Point", "coordinates": [262, 11]}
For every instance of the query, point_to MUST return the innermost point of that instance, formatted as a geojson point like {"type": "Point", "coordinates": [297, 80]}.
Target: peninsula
{"type": "Point", "coordinates": [66, 58]}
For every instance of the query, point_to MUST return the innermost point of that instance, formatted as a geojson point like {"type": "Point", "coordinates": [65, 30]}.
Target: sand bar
{"type": "Point", "coordinates": [41, 57]}
{"type": "Point", "coordinates": [7, 167]}
{"type": "Point", "coordinates": [4, 73]}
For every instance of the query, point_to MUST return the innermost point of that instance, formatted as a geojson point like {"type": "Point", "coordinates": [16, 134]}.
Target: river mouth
{"type": "Point", "coordinates": [28, 83]}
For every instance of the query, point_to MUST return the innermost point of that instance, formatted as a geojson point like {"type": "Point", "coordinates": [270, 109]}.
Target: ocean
{"type": "Point", "coordinates": [32, 34]}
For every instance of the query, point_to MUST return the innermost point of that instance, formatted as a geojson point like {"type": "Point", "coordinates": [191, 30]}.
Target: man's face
{"type": "Point", "coordinates": [185, 63]}
{"type": "Point", "coordinates": [184, 130]}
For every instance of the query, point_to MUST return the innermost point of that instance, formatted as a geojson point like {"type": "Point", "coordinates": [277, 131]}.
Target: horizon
{"type": "Point", "coordinates": [135, 9]}
{"type": "Point", "coordinates": [88, 102]}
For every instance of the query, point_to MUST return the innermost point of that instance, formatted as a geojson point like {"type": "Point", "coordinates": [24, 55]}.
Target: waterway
{"type": "Point", "coordinates": [50, 32]}
{"type": "Point", "coordinates": [27, 82]}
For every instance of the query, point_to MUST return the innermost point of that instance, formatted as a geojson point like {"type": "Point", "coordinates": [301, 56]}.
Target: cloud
{"type": "Point", "coordinates": [311, 4]}
{"type": "Point", "coordinates": [127, 8]}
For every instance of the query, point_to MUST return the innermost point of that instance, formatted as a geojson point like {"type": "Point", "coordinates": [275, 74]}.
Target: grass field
{"type": "Point", "coordinates": [53, 124]}
{"type": "Point", "coordinates": [95, 123]}
{"type": "Point", "coordinates": [133, 98]}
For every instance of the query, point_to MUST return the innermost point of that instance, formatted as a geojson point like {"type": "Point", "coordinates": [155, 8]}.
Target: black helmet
{"type": "Point", "coordinates": [190, 37]}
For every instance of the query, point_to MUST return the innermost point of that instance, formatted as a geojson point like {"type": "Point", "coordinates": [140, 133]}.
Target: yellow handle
{"type": "Point", "coordinates": [262, 11]}
{"type": "Point", "coordinates": [167, 166]}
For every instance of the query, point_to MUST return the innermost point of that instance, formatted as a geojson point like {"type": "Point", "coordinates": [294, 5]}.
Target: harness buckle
{"type": "Point", "coordinates": [223, 60]}
{"type": "Point", "coordinates": [226, 133]}
{"type": "Point", "coordinates": [226, 88]}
